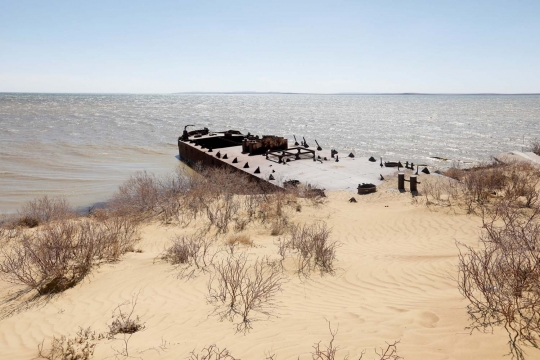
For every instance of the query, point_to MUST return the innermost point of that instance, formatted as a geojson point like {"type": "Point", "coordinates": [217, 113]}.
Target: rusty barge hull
{"type": "Point", "coordinates": [275, 160]}
{"type": "Point", "coordinates": [213, 149]}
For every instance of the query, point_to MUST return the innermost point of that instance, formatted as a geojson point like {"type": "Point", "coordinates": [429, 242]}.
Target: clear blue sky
{"type": "Point", "coordinates": [297, 46]}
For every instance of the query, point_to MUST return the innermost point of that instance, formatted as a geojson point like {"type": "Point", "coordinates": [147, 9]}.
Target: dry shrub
{"type": "Point", "coordinates": [388, 353]}
{"type": "Point", "coordinates": [145, 196]}
{"type": "Point", "coordinates": [121, 235]}
{"type": "Point", "coordinates": [44, 210]}
{"type": "Point", "coordinates": [279, 205]}
{"type": "Point", "coordinates": [313, 248]}
{"type": "Point", "coordinates": [171, 202]}
{"type": "Point", "coordinates": [279, 226]}
{"type": "Point", "coordinates": [220, 197]}
{"type": "Point", "coordinates": [240, 239]}
{"type": "Point", "coordinates": [523, 181]}
{"type": "Point", "coordinates": [60, 254]}
{"type": "Point", "coordinates": [50, 260]}
{"type": "Point", "coordinates": [313, 194]}
{"type": "Point", "coordinates": [238, 289]}
{"type": "Point", "coordinates": [440, 191]}
{"type": "Point", "coordinates": [455, 173]}
{"type": "Point", "coordinates": [240, 223]}
{"type": "Point", "coordinates": [191, 253]}
{"type": "Point", "coordinates": [212, 352]}
{"type": "Point", "coordinates": [481, 188]}
{"type": "Point", "coordinates": [80, 347]}
{"type": "Point", "coordinates": [480, 183]}
{"type": "Point", "coordinates": [251, 202]}
{"type": "Point", "coordinates": [125, 322]}
{"type": "Point", "coordinates": [329, 352]}
{"type": "Point", "coordinates": [224, 197]}
{"type": "Point", "coordinates": [137, 197]}
{"type": "Point", "coordinates": [535, 147]}
{"type": "Point", "coordinates": [501, 278]}
{"type": "Point", "coordinates": [220, 211]}
{"type": "Point", "coordinates": [8, 232]}
{"type": "Point", "coordinates": [319, 352]}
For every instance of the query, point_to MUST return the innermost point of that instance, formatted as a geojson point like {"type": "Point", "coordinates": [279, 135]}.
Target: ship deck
{"type": "Point", "coordinates": [345, 175]}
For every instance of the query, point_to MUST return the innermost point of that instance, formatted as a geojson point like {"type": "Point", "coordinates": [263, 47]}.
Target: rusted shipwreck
{"type": "Point", "coordinates": [278, 161]}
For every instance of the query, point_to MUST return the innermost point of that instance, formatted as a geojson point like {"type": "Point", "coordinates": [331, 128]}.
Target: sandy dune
{"type": "Point", "coordinates": [394, 281]}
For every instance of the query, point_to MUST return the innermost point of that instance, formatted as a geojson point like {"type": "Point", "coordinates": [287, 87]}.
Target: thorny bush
{"type": "Point", "coordinates": [501, 278]}
{"type": "Point", "coordinates": [239, 288]}
{"type": "Point", "coordinates": [79, 347]}
{"type": "Point", "coordinates": [43, 210]}
{"type": "Point", "coordinates": [319, 352]}
{"type": "Point", "coordinates": [59, 255]}
{"type": "Point", "coordinates": [481, 188]}
{"type": "Point", "coordinates": [190, 253]}
{"type": "Point", "coordinates": [535, 147]}
{"type": "Point", "coordinates": [312, 246]}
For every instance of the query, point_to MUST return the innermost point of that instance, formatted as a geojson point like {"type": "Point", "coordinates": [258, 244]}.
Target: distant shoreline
{"type": "Point", "coordinates": [275, 93]}
{"type": "Point", "coordinates": [344, 93]}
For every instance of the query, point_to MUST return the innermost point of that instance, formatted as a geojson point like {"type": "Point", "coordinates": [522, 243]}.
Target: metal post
{"type": "Point", "coordinates": [401, 181]}
{"type": "Point", "coordinates": [414, 183]}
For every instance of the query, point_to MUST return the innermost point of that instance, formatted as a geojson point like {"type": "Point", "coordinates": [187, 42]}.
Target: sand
{"type": "Point", "coordinates": [395, 281]}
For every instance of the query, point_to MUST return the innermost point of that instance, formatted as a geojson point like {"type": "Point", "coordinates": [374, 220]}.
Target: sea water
{"type": "Point", "coordinates": [82, 146]}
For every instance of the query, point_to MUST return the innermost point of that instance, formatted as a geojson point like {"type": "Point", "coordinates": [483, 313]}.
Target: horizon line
{"type": "Point", "coordinates": [259, 93]}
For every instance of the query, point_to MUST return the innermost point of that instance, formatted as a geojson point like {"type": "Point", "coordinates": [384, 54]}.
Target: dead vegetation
{"type": "Point", "coordinates": [37, 212]}
{"type": "Point", "coordinates": [124, 320]}
{"type": "Point", "coordinates": [212, 352]}
{"type": "Point", "coordinates": [535, 146]}
{"type": "Point", "coordinates": [241, 239]}
{"type": "Point", "coordinates": [82, 345]}
{"type": "Point", "coordinates": [79, 347]}
{"type": "Point", "coordinates": [44, 210]}
{"type": "Point", "coordinates": [501, 278]}
{"type": "Point", "coordinates": [312, 248]}
{"type": "Point", "coordinates": [191, 254]}
{"type": "Point", "coordinates": [481, 188]}
{"type": "Point", "coordinates": [319, 351]}
{"type": "Point", "coordinates": [218, 199]}
{"type": "Point", "coordinates": [239, 288]}
{"type": "Point", "coordinates": [56, 256]}
{"type": "Point", "coordinates": [125, 323]}
{"type": "Point", "coordinates": [50, 249]}
{"type": "Point", "coordinates": [329, 352]}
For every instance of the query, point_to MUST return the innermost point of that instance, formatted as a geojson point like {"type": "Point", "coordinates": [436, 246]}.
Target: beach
{"type": "Point", "coordinates": [269, 180]}
{"type": "Point", "coordinates": [394, 280]}
{"type": "Point", "coordinates": [392, 284]}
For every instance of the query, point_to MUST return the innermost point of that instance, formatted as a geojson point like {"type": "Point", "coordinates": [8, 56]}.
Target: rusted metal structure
{"type": "Point", "coordinates": [206, 148]}
{"type": "Point", "coordinates": [273, 160]}
{"type": "Point", "coordinates": [364, 189]}
{"type": "Point", "coordinates": [413, 181]}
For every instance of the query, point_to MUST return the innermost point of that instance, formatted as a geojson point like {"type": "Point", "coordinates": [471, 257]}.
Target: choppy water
{"type": "Point", "coordinates": [83, 146]}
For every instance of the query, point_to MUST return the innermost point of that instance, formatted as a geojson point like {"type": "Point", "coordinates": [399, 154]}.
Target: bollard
{"type": "Point", "coordinates": [401, 181]}
{"type": "Point", "coordinates": [414, 182]}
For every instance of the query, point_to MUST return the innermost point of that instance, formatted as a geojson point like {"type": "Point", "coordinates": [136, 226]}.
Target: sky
{"type": "Point", "coordinates": [374, 46]}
